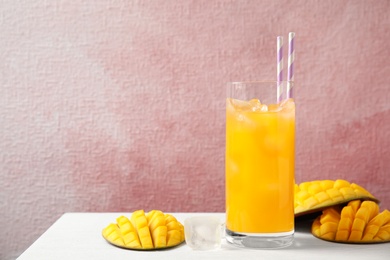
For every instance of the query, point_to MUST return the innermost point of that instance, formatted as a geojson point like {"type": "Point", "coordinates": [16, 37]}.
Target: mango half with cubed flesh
{"type": "Point", "coordinates": [314, 196]}
{"type": "Point", "coordinates": [154, 230]}
{"type": "Point", "coordinates": [358, 222]}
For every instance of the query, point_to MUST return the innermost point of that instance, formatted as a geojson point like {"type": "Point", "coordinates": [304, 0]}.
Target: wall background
{"type": "Point", "coordinates": [119, 105]}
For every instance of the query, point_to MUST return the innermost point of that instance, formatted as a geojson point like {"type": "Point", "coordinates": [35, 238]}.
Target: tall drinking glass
{"type": "Point", "coordinates": [260, 144]}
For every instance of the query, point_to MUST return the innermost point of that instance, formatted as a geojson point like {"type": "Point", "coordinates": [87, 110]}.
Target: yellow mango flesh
{"type": "Point", "coordinates": [358, 222]}
{"type": "Point", "coordinates": [316, 195]}
{"type": "Point", "coordinates": [154, 230]}
{"type": "Point", "coordinates": [139, 221]}
{"type": "Point", "coordinates": [129, 232]}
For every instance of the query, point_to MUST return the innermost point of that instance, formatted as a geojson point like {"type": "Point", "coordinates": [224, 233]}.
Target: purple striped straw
{"type": "Point", "coordinates": [279, 67]}
{"type": "Point", "coordinates": [290, 69]}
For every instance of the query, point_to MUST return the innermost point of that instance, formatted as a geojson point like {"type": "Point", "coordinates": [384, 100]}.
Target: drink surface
{"type": "Point", "coordinates": [259, 166]}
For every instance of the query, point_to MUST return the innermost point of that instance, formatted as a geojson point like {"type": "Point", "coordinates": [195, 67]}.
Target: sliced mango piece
{"type": "Point", "coordinates": [160, 237]}
{"type": "Point", "coordinates": [317, 195]}
{"type": "Point", "coordinates": [113, 233]}
{"type": "Point", "coordinates": [367, 210]}
{"type": "Point", "coordinates": [174, 237]}
{"type": "Point", "coordinates": [345, 224]}
{"type": "Point", "coordinates": [157, 222]}
{"type": "Point", "coordinates": [140, 221]}
{"type": "Point", "coordinates": [129, 232]}
{"type": "Point", "coordinates": [357, 222]}
{"type": "Point", "coordinates": [153, 230]}
{"type": "Point", "coordinates": [173, 224]}
{"type": "Point", "coordinates": [372, 229]}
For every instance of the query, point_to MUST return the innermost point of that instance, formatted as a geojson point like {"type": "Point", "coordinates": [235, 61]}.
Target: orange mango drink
{"type": "Point", "coordinates": [259, 161]}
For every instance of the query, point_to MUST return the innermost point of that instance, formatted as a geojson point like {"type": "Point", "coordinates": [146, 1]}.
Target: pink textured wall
{"type": "Point", "coordinates": [119, 105]}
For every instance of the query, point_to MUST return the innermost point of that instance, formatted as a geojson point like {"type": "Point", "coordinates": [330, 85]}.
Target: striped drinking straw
{"type": "Point", "coordinates": [290, 69]}
{"type": "Point", "coordinates": [279, 67]}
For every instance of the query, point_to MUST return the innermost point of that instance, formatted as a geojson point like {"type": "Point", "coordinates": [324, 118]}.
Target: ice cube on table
{"type": "Point", "coordinates": [203, 232]}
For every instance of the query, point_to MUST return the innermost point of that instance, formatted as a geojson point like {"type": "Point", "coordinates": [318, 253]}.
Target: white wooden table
{"type": "Point", "coordinates": [78, 236]}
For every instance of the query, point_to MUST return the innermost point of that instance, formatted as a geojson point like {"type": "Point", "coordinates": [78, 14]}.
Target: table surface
{"type": "Point", "coordinates": [78, 236]}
